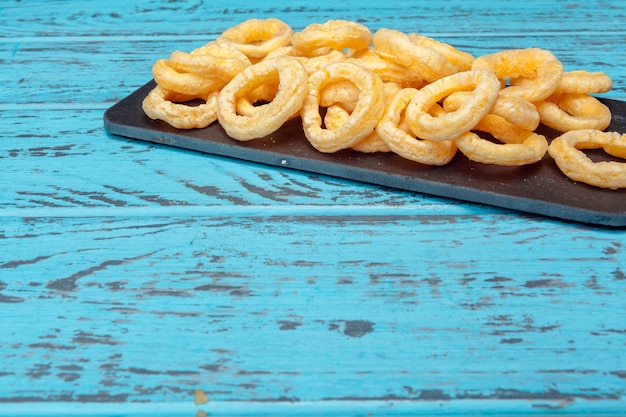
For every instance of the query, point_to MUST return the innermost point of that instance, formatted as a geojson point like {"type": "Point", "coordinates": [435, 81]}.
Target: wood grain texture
{"type": "Point", "coordinates": [192, 305]}
{"type": "Point", "coordinates": [196, 18]}
{"type": "Point", "coordinates": [67, 46]}
{"type": "Point", "coordinates": [58, 170]}
{"type": "Point", "coordinates": [132, 274]}
{"type": "Point", "coordinates": [128, 64]}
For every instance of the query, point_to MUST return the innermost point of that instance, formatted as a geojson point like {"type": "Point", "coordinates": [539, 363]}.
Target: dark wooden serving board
{"type": "Point", "coordinates": [538, 188]}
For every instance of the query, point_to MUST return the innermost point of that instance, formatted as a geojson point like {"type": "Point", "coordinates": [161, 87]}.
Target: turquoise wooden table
{"type": "Point", "coordinates": [133, 274]}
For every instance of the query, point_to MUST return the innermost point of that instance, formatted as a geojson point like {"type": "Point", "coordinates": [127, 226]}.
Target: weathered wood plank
{"type": "Point", "coordinates": [61, 74]}
{"type": "Point", "coordinates": [65, 160]}
{"type": "Point", "coordinates": [69, 69]}
{"type": "Point", "coordinates": [155, 18]}
{"type": "Point", "coordinates": [132, 274]}
{"type": "Point", "coordinates": [255, 308]}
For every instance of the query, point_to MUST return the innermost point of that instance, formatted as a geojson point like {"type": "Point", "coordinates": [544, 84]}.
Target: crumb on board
{"type": "Point", "coordinates": [199, 397]}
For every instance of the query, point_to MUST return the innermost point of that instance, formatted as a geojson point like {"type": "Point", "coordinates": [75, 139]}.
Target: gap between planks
{"type": "Point", "coordinates": [328, 408]}
{"type": "Point", "coordinates": [347, 211]}
{"type": "Point", "coordinates": [58, 106]}
{"type": "Point", "coordinates": [209, 36]}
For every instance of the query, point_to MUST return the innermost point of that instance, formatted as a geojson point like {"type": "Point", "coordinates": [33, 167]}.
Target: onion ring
{"type": "Point", "coordinates": [257, 37]}
{"type": "Point", "coordinates": [336, 116]}
{"type": "Point", "coordinates": [342, 92]}
{"type": "Point", "coordinates": [577, 166]}
{"type": "Point", "coordinates": [387, 70]}
{"type": "Point", "coordinates": [401, 142]}
{"type": "Point", "coordinates": [158, 104]}
{"type": "Point", "coordinates": [292, 91]}
{"type": "Point", "coordinates": [461, 60]}
{"type": "Point", "coordinates": [362, 120]}
{"type": "Point", "coordinates": [249, 103]}
{"type": "Point", "coordinates": [311, 63]}
{"type": "Point", "coordinates": [451, 125]}
{"type": "Point", "coordinates": [539, 71]}
{"type": "Point", "coordinates": [333, 34]}
{"type": "Point", "coordinates": [398, 47]}
{"type": "Point", "coordinates": [193, 85]}
{"type": "Point", "coordinates": [584, 82]}
{"type": "Point", "coordinates": [212, 60]}
{"type": "Point", "coordinates": [573, 111]}
{"type": "Point", "coordinates": [513, 108]}
{"type": "Point", "coordinates": [519, 147]}
{"type": "Point", "coordinates": [256, 99]}
{"type": "Point", "coordinates": [373, 142]}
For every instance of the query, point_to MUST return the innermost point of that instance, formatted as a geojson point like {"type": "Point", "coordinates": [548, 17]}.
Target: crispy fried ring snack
{"type": "Point", "coordinates": [481, 150]}
{"type": "Point", "coordinates": [373, 142]}
{"type": "Point", "coordinates": [519, 147]}
{"type": "Point", "coordinates": [387, 70]}
{"type": "Point", "coordinates": [314, 63]}
{"type": "Point", "coordinates": [255, 100]}
{"type": "Point", "coordinates": [501, 129]}
{"type": "Point", "coordinates": [259, 97]}
{"type": "Point", "coordinates": [257, 37]}
{"type": "Point", "coordinates": [540, 72]}
{"type": "Point", "coordinates": [572, 111]}
{"type": "Point", "coordinates": [584, 82]}
{"type": "Point", "coordinates": [333, 34]}
{"type": "Point", "coordinates": [580, 82]}
{"type": "Point", "coordinates": [451, 125]}
{"type": "Point", "coordinates": [220, 49]}
{"type": "Point", "coordinates": [515, 109]}
{"type": "Point", "coordinates": [212, 60]}
{"type": "Point", "coordinates": [252, 101]}
{"type": "Point", "coordinates": [245, 107]}
{"type": "Point", "coordinates": [311, 63]}
{"type": "Point", "coordinates": [281, 51]}
{"type": "Point", "coordinates": [336, 116]}
{"type": "Point", "coordinates": [362, 120]}
{"type": "Point", "coordinates": [159, 105]}
{"type": "Point", "coordinates": [193, 85]}
{"type": "Point", "coordinates": [461, 60]}
{"type": "Point", "coordinates": [579, 167]}
{"type": "Point", "coordinates": [343, 93]}
{"type": "Point", "coordinates": [398, 47]}
{"type": "Point", "coordinates": [401, 142]}
{"type": "Point", "coordinates": [292, 91]}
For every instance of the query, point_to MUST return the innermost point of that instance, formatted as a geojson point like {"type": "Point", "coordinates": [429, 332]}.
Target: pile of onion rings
{"type": "Point", "coordinates": [391, 92]}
